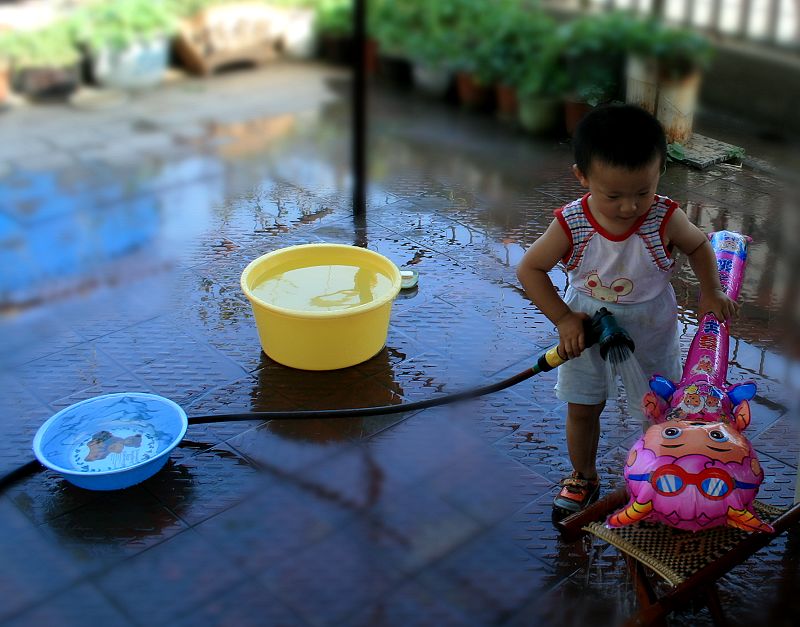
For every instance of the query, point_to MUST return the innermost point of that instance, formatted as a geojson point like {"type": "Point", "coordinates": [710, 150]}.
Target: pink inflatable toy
{"type": "Point", "coordinates": [694, 469]}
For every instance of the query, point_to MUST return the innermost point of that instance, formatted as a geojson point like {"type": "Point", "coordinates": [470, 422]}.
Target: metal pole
{"type": "Point", "coordinates": [359, 110]}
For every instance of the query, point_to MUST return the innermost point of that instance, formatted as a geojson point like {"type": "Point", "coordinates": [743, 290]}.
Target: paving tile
{"type": "Point", "coordinates": [541, 446]}
{"type": "Point", "coordinates": [112, 527]}
{"type": "Point", "coordinates": [416, 447]}
{"type": "Point", "coordinates": [286, 449]}
{"type": "Point", "coordinates": [175, 577]}
{"type": "Point", "coordinates": [779, 482]}
{"type": "Point", "coordinates": [500, 414]}
{"type": "Point", "coordinates": [569, 605]}
{"type": "Point", "coordinates": [564, 189]}
{"type": "Point", "coordinates": [781, 440]}
{"type": "Point", "coordinates": [415, 527]}
{"type": "Point", "coordinates": [33, 567]}
{"type": "Point", "coordinates": [489, 578]}
{"type": "Point", "coordinates": [170, 362]}
{"type": "Point", "coordinates": [69, 371]}
{"type": "Point", "coordinates": [23, 416]}
{"type": "Point", "coordinates": [488, 485]}
{"type": "Point", "coordinates": [124, 382]}
{"type": "Point", "coordinates": [332, 579]}
{"type": "Point", "coordinates": [197, 485]}
{"type": "Point", "coordinates": [73, 608]}
{"type": "Point", "coordinates": [730, 193]}
{"type": "Point", "coordinates": [248, 605]}
{"type": "Point", "coordinates": [411, 605]}
{"type": "Point", "coordinates": [283, 518]}
{"type": "Point", "coordinates": [532, 529]}
{"type": "Point", "coordinates": [45, 496]}
{"type": "Point", "coordinates": [242, 396]}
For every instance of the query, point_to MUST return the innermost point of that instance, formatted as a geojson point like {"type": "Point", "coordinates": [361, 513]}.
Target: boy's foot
{"type": "Point", "coordinates": [576, 493]}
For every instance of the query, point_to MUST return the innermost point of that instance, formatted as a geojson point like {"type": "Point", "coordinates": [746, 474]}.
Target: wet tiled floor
{"type": "Point", "coordinates": [440, 517]}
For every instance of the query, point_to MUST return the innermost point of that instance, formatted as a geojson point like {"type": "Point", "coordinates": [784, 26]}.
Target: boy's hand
{"type": "Point", "coordinates": [718, 303]}
{"type": "Point", "coordinates": [570, 332]}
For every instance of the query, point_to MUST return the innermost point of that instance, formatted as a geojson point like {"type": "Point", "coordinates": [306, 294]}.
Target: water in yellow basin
{"type": "Point", "coordinates": [322, 288]}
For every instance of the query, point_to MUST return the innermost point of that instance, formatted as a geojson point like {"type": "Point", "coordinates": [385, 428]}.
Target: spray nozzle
{"type": "Point", "coordinates": [604, 330]}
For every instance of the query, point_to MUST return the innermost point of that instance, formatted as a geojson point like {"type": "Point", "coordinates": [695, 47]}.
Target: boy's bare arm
{"type": "Point", "coordinates": [532, 271]}
{"type": "Point", "coordinates": [691, 241]}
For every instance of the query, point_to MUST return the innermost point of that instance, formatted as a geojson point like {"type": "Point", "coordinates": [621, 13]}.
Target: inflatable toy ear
{"type": "Point", "coordinates": [742, 392]}
{"type": "Point", "coordinates": [662, 386]}
{"type": "Point", "coordinates": [741, 416]}
{"type": "Point", "coordinates": [654, 408]}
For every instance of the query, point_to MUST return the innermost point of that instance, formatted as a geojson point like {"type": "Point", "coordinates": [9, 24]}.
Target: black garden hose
{"type": "Point", "coordinates": [601, 329]}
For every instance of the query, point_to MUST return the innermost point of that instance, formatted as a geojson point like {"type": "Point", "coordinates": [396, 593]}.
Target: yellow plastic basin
{"type": "Point", "coordinates": [321, 306]}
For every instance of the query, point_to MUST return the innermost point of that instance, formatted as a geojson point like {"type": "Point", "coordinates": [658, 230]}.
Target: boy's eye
{"type": "Point", "coordinates": [610, 197]}
{"type": "Point", "coordinates": [643, 193]}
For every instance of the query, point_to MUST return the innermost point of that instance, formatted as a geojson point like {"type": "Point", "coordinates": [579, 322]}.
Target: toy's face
{"type": "Point", "coordinates": [678, 438]}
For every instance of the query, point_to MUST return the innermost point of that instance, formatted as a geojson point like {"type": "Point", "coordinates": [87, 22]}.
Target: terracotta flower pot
{"type": "Point", "coordinates": [371, 56]}
{"type": "Point", "coordinates": [47, 83]}
{"type": "Point", "coordinates": [507, 105]}
{"type": "Point", "coordinates": [4, 85]}
{"type": "Point", "coordinates": [472, 94]}
{"type": "Point", "coordinates": [574, 112]}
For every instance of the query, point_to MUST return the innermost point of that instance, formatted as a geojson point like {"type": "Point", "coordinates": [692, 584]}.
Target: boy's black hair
{"type": "Point", "coordinates": [620, 135]}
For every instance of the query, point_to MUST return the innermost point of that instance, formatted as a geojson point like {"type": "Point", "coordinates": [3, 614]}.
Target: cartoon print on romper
{"type": "Point", "coordinates": [610, 294]}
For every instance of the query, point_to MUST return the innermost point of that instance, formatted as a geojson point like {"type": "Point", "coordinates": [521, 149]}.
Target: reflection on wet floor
{"type": "Point", "coordinates": [439, 517]}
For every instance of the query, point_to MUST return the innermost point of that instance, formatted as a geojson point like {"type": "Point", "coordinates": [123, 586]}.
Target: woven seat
{"type": "Point", "coordinates": [673, 554]}
{"type": "Point", "coordinates": [689, 562]}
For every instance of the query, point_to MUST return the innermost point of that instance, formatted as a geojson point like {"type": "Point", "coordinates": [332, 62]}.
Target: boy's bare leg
{"type": "Point", "coordinates": [583, 435]}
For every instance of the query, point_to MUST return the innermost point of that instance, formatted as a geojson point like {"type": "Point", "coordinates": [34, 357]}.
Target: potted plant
{"type": "Point", "coordinates": [663, 74]}
{"type": "Point", "coordinates": [127, 40]}
{"type": "Point", "coordinates": [333, 24]}
{"type": "Point", "coordinates": [470, 60]}
{"type": "Point", "coordinates": [5, 88]}
{"type": "Point", "coordinates": [395, 28]}
{"type": "Point", "coordinates": [427, 42]}
{"type": "Point", "coordinates": [593, 57]}
{"type": "Point", "coordinates": [515, 34]}
{"type": "Point", "coordinates": [542, 86]}
{"type": "Point", "coordinates": [42, 64]}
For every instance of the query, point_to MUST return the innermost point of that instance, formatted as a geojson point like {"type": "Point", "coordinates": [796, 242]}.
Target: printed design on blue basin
{"type": "Point", "coordinates": [108, 450]}
{"type": "Point", "coordinates": [110, 433]}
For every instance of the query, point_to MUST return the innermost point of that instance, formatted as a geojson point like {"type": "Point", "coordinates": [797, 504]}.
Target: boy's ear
{"type": "Point", "coordinates": [580, 175]}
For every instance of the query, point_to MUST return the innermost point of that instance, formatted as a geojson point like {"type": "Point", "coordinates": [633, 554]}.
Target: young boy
{"type": "Point", "coordinates": [617, 244]}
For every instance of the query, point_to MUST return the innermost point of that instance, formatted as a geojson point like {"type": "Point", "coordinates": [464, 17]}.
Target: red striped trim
{"type": "Point", "coordinates": [610, 236]}
{"type": "Point", "coordinates": [559, 214]}
{"type": "Point", "coordinates": [671, 207]}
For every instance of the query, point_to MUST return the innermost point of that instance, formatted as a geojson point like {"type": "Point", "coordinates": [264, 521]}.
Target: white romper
{"type": "Point", "coordinates": [629, 274]}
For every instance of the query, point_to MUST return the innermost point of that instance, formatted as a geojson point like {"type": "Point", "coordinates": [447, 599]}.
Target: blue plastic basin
{"type": "Point", "coordinates": [111, 442]}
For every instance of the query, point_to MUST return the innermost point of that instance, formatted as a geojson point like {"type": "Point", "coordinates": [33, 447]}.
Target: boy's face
{"type": "Point", "coordinates": [620, 195]}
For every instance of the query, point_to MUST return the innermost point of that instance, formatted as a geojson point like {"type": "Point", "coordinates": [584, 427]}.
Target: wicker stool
{"type": "Point", "coordinates": [688, 562]}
